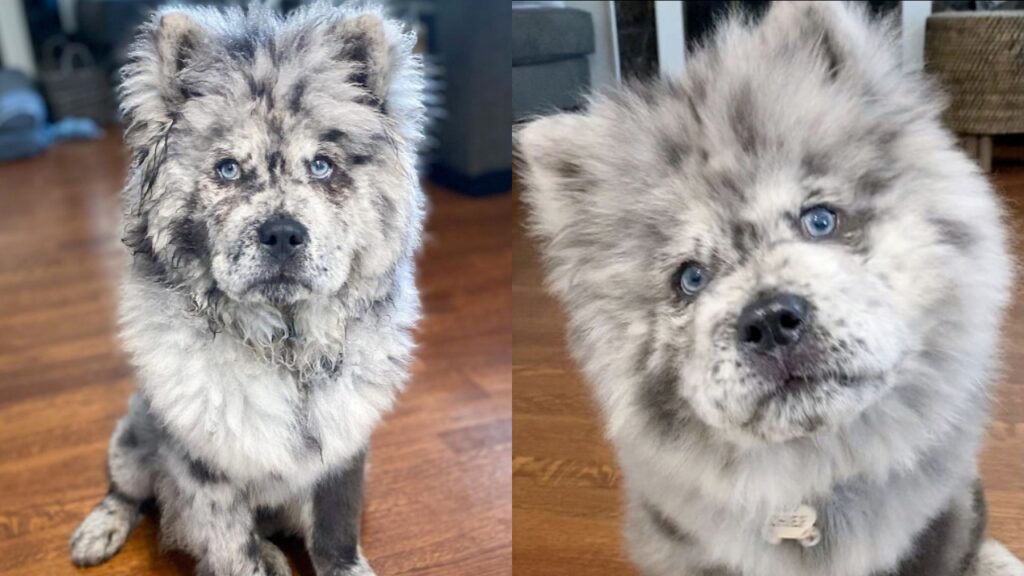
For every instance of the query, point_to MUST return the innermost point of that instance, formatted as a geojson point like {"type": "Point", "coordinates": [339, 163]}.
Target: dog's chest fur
{"type": "Point", "coordinates": [261, 423]}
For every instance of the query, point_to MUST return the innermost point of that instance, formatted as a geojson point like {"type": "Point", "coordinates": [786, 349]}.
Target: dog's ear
{"type": "Point", "coordinates": [369, 52]}
{"type": "Point", "coordinates": [363, 43]}
{"type": "Point", "coordinates": [843, 39]}
{"type": "Point", "coordinates": [552, 156]}
{"type": "Point", "coordinates": [152, 86]}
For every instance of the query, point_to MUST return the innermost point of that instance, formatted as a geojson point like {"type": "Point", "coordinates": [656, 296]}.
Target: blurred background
{"type": "Point", "coordinates": [439, 489]}
{"type": "Point", "coordinates": [60, 60]}
{"type": "Point", "coordinates": [563, 49]}
{"type": "Point", "coordinates": [567, 510]}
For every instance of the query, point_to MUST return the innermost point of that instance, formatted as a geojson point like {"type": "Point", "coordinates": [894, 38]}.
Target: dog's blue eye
{"type": "Point", "coordinates": [228, 169]}
{"type": "Point", "coordinates": [819, 222]}
{"type": "Point", "coordinates": [693, 278]}
{"type": "Point", "coordinates": [320, 167]}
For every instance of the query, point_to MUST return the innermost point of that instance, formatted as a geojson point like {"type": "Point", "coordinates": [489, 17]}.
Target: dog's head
{"type": "Point", "coordinates": [273, 158]}
{"type": "Point", "coordinates": [774, 243]}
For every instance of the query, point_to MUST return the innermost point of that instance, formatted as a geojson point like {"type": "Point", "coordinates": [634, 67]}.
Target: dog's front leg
{"type": "Point", "coordinates": [209, 517]}
{"type": "Point", "coordinates": [332, 535]}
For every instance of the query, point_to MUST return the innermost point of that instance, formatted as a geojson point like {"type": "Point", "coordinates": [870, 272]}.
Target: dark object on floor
{"type": "Point", "coordinates": [22, 117]}
{"type": "Point", "coordinates": [23, 127]}
{"type": "Point", "coordinates": [550, 70]}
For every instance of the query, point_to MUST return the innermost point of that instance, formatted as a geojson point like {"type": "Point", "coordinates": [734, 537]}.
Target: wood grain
{"type": "Point", "coordinates": [567, 508]}
{"type": "Point", "coordinates": [439, 489]}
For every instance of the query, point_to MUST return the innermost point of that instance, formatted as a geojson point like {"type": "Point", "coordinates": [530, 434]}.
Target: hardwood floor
{"type": "Point", "coordinates": [567, 510]}
{"type": "Point", "coordinates": [439, 489]}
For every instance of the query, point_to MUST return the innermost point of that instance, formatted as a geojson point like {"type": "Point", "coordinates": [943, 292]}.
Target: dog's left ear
{"type": "Point", "coordinates": [554, 156]}
{"type": "Point", "coordinates": [843, 39]}
{"type": "Point", "coordinates": [152, 88]}
{"type": "Point", "coordinates": [363, 43]}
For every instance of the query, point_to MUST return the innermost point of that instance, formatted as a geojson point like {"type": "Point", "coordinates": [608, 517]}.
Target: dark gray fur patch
{"type": "Point", "coordinates": [114, 492]}
{"type": "Point", "coordinates": [337, 506]}
{"type": "Point", "coordinates": [295, 99]}
{"type": "Point", "coordinates": [674, 150]}
{"type": "Point", "coordinates": [876, 180]}
{"type": "Point", "coordinates": [275, 162]}
{"type": "Point", "coordinates": [950, 542]}
{"type": "Point", "coordinates": [202, 472]}
{"type": "Point", "coordinates": [953, 233]}
{"type": "Point", "coordinates": [335, 136]}
{"type": "Point", "coordinates": [815, 164]}
{"type": "Point", "coordinates": [338, 184]}
{"type": "Point", "coordinates": [252, 549]}
{"type": "Point", "coordinates": [356, 49]}
{"type": "Point", "coordinates": [569, 171]}
{"type": "Point", "coordinates": [243, 46]}
{"type": "Point", "coordinates": [666, 409]}
{"type": "Point", "coordinates": [666, 526]}
{"type": "Point", "coordinates": [129, 440]}
{"type": "Point", "coordinates": [190, 238]}
{"type": "Point", "coordinates": [745, 237]}
{"type": "Point", "coordinates": [743, 120]}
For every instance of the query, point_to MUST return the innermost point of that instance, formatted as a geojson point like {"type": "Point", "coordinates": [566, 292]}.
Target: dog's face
{"type": "Point", "coordinates": [274, 156]}
{"type": "Point", "coordinates": [776, 242]}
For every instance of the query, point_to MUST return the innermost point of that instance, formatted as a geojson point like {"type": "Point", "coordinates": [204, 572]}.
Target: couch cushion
{"type": "Point", "coordinates": [549, 87]}
{"type": "Point", "coordinates": [549, 34]}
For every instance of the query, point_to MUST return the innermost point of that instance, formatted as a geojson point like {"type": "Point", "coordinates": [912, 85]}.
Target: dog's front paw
{"type": "Point", "coordinates": [102, 533]}
{"type": "Point", "coordinates": [995, 560]}
{"type": "Point", "coordinates": [360, 568]}
{"type": "Point", "coordinates": [273, 560]}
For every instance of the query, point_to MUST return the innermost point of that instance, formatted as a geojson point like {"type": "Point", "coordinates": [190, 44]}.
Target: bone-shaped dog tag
{"type": "Point", "coordinates": [795, 525]}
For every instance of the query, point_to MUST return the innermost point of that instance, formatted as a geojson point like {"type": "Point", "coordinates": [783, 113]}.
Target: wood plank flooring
{"type": "Point", "coordinates": [439, 489]}
{"type": "Point", "coordinates": [567, 510]}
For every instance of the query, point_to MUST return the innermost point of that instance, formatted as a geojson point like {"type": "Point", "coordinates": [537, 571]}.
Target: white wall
{"type": "Point", "coordinates": [15, 43]}
{"type": "Point", "coordinates": [913, 17]}
{"type": "Point", "coordinates": [668, 18]}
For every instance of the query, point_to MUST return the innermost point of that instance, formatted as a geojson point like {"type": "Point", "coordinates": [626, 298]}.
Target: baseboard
{"type": "Point", "coordinates": [483, 185]}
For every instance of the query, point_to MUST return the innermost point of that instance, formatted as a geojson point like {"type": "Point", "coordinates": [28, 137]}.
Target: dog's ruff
{"type": "Point", "coordinates": [261, 379]}
{"type": "Point", "coordinates": [880, 429]}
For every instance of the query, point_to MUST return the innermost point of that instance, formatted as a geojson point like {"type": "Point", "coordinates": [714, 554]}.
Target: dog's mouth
{"type": "Point", "coordinates": [797, 388]}
{"type": "Point", "coordinates": [798, 382]}
{"type": "Point", "coordinates": [280, 287]}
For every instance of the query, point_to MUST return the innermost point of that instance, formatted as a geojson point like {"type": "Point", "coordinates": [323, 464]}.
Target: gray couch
{"type": "Point", "coordinates": [549, 59]}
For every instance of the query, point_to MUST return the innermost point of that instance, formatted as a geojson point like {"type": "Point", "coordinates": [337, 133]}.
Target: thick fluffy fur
{"type": "Point", "coordinates": [260, 379]}
{"type": "Point", "coordinates": [877, 419]}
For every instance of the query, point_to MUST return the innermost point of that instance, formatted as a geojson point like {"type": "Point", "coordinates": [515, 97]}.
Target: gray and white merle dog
{"type": "Point", "coordinates": [785, 285]}
{"type": "Point", "coordinates": [273, 212]}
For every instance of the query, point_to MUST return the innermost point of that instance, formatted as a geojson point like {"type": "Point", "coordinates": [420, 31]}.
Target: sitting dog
{"type": "Point", "coordinates": [785, 283]}
{"type": "Point", "coordinates": [272, 211]}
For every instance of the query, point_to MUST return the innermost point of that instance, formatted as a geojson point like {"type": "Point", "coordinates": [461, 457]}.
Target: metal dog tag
{"type": "Point", "coordinates": [795, 525]}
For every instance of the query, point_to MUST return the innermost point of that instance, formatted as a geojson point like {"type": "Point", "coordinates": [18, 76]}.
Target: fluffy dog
{"type": "Point", "coordinates": [785, 284]}
{"type": "Point", "coordinates": [273, 211]}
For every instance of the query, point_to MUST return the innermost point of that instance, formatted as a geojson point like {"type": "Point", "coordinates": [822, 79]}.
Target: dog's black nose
{"type": "Point", "coordinates": [282, 235]}
{"type": "Point", "coordinates": [772, 321]}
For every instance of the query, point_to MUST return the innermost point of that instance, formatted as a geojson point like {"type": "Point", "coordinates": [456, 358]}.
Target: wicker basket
{"type": "Point", "coordinates": [74, 85]}
{"type": "Point", "coordinates": [979, 59]}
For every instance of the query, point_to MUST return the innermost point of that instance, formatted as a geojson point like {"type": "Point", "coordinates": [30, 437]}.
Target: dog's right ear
{"type": "Point", "coordinates": [553, 162]}
{"type": "Point", "coordinates": [152, 87]}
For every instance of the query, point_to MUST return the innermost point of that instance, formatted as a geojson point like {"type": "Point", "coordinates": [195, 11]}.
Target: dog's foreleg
{"type": "Point", "coordinates": [332, 534]}
{"type": "Point", "coordinates": [995, 560]}
{"type": "Point", "coordinates": [130, 471]}
{"type": "Point", "coordinates": [210, 518]}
